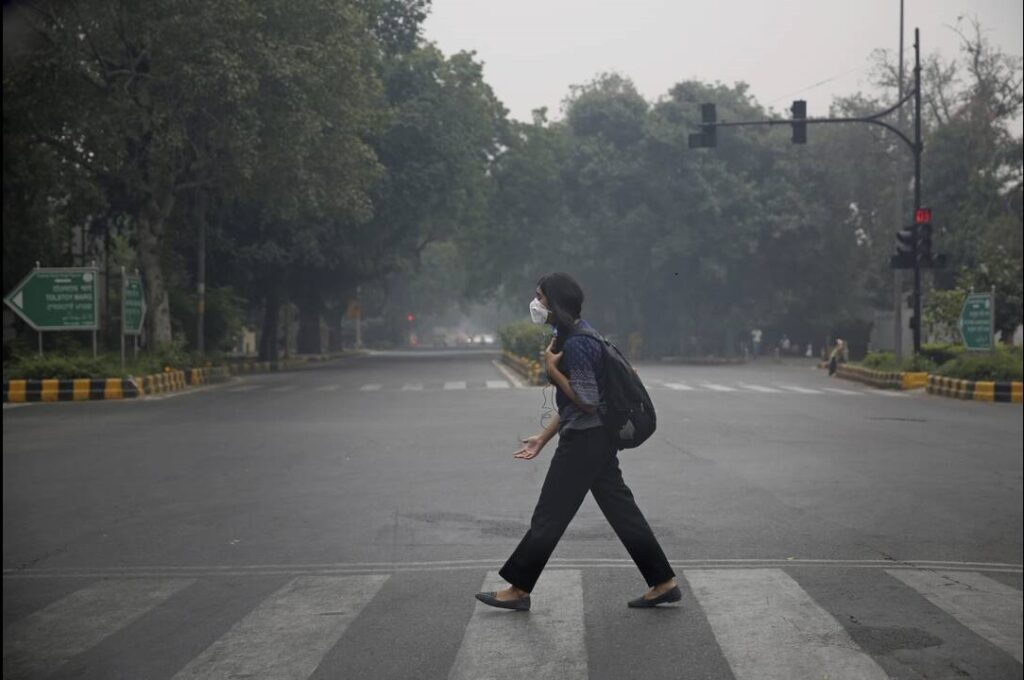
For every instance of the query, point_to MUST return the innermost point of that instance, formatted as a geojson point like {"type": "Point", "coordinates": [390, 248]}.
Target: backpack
{"type": "Point", "coordinates": [626, 410]}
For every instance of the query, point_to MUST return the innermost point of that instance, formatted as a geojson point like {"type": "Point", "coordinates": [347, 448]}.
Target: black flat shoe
{"type": "Point", "coordinates": [521, 604]}
{"type": "Point", "coordinates": [670, 596]}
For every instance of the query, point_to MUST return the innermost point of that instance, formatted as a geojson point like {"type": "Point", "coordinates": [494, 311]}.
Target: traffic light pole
{"type": "Point", "coordinates": [916, 147]}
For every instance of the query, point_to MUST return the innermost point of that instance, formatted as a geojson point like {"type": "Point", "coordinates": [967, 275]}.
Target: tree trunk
{"type": "Point", "coordinates": [271, 312]}
{"type": "Point", "coordinates": [150, 239]}
{"type": "Point", "coordinates": [309, 340]}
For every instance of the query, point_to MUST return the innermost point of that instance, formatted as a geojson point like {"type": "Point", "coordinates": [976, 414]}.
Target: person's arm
{"type": "Point", "coordinates": [533, 445]}
{"type": "Point", "coordinates": [551, 360]}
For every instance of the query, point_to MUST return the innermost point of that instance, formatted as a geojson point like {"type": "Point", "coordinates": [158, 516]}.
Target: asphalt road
{"type": "Point", "coordinates": [336, 522]}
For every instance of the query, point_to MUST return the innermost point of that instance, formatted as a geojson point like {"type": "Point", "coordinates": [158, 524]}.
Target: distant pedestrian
{"type": "Point", "coordinates": [586, 460]}
{"type": "Point", "coordinates": [837, 357]}
{"type": "Point", "coordinates": [755, 339]}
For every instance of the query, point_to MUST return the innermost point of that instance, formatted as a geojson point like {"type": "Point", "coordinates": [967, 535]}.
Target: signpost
{"type": "Point", "coordinates": [133, 310]}
{"type": "Point", "coordinates": [52, 299]}
{"type": "Point", "coordinates": [977, 322]}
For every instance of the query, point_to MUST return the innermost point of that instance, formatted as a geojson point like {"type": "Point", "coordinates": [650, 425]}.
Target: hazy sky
{"type": "Point", "coordinates": [533, 50]}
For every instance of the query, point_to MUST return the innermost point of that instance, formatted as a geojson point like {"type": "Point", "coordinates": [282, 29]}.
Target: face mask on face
{"type": "Point", "coordinates": [538, 312]}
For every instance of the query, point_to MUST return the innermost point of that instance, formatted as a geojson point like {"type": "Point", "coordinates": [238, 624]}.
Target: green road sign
{"type": "Point", "coordinates": [977, 321]}
{"type": "Point", "coordinates": [133, 305]}
{"type": "Point", "coordinates": [58, 299]}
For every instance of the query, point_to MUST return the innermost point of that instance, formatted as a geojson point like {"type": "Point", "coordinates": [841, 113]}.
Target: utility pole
{"type": "Point", "coordinates": [200, 205]}
{"type": "Point", "coordinates": [897, 274]}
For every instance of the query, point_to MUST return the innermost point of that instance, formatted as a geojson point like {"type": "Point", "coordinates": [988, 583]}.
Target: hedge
{"type": "Point", "coordinates": [1005, 364]}
{"type": "Point", "coordinates": [524, 339]}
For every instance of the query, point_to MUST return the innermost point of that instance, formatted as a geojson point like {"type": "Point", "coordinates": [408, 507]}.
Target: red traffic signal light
{"type": "Point", "coordinates": [922, 216]}
{"type": "Point", "coordinates": [410, 318]}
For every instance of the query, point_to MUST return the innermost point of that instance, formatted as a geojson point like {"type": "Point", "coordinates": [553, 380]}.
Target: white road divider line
{"type": "Point", "coordinates": [497, 385]}
{"type": "Point", "coordinates": [839, 390]}
{"type": "Point", "coordinates": [328, 388]}
{"type": "Point", "coordinates": [769, 628]}
{"type": "Point", "coordinates": [370, 388]}
{"type": "Point", "coordinates": [35, 646]}
{"type": "Point", "coordinates": [888, 393]}
{"type": "Point", "coordinates": [680, 387]}
{"type": "Point", "coordinates": [718, 388]}
{"type": "Point", "coordinates": [412, 387]}
{"type": "Point", "coordinates": [455, 385]}
{"type": "Point", "coordinates": [282, 388]}
{"type": "Point", "coordinates": [991, 609]}
{"type": "Point", "coordinates": [243, 388]}
{"type": "Point", "coordinates": [287, 635]}
{"type": "Point", "coordinates": [545, 644]}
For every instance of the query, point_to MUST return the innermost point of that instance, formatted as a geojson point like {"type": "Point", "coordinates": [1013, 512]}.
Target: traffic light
{"type": "Point", "coordinates": [708, 135]}
{"type": "Point", "coordinates": [906, 248]}
{"type": "Point", "coordinates": [799, 111]}
{"type": "Point", "coordinates": [923, 222]}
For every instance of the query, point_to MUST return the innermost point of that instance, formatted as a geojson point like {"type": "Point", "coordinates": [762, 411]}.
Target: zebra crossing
{"type": "Point", "coordinates": [692, 387]}
{"type": "Point", "coordinates": [765, 624]}
{"type": "Point", "coordinates": [742, 388]}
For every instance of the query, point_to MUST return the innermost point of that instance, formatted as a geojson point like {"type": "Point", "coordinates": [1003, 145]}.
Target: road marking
{"type": "Point", "coordinates": [282, 388]}
{"type": "Point", "coordinates": [36, 645]}
{"type": "Point", "coordinates": [370, 388]}
{"type": "Point", "coordinates": [328, 388]}
{"type": "Point", "coordinates": [839, 390]}
{"type": "Point", "coordinates": [545, 644]}
{"type": "Point", "coordinates": [297, 569]}
{"type": "Point", "coordinates": [718, 388]}
{"type": "Point", "coordinates": [497, 385]}
{"type": "Point", "coordinates": [989, 608]}
{"type": "Point", "coordinates": [412, 387]}
{"type": "Point", "coordinates": [769, 628]}
{"type": "Point", "coordinates": [682, 387]}
{"type": "Point", "coordinates": [887, 393]}
{"type": "Point", "coordinates": [287, 635]}
{"type": "Point", "coordinates": [455, 385]}
{"type": "Point", "coordinates": [243, 388]}
{"type": "Point", "coordinates": [760, 388]}
{"type": "Point", "coordinates": [800, 390]}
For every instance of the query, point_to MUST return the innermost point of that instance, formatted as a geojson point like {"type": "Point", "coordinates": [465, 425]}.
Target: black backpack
{"type": "Point", "coordinates": [625, 410]}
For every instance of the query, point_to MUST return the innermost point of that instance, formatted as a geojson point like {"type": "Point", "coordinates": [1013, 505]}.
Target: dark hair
{"type": "Point", "coordinates": [565, 300]}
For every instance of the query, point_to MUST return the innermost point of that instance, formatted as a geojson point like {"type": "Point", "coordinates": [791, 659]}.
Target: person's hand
{"type": "Point", "coordinates": [531, 447]}
{"type": "Point", "coordinates": [551, 359]}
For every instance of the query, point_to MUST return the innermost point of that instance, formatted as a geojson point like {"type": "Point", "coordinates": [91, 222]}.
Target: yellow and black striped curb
{"type": "Point", "coordinates": [529, 370]}
{"type": "Point", "coordinates": [893, 380]}
{"type": "Point", "coordinates": [978, 390]}
{"type": "Point", "coordinates": [70, 389]}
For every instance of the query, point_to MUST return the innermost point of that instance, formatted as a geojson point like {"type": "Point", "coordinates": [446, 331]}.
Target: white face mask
{"type": "Point", "coordinates": [538, 312]}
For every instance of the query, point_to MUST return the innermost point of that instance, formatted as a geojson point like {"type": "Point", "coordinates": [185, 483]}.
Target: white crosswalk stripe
{"type": "Point", "coordinates": [412, 387]}
{"type": "Point", "coordinates": [498, 385]}
{"type": "Point", "coordinates": [455, 385]}
{"type": "Point", "coordinates": [769, 628]}
{"type": "Point", "coordinates": [679, 387]}
{"type": "Point", "coordinates": [286, 637]}
{"type": "Point", "coordinates": [35, 646]}
{"type": "Point", "coordinates": [989, 608]}
{"type": "Point", "coordinates": [546, 644]}
{"type": "Point", "coordinates": [718, 388]}
{"type": "Point", "coordinates": [799, 390]}
{"type": "Point", "coordinates": [760, 388]}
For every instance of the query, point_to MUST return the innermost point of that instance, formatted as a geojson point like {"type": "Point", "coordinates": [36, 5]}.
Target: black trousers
{"type": "Point", "coordinates": [585, 460]}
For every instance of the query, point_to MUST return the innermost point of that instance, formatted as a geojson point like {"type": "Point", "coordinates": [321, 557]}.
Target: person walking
{"type": "Point", "coordinates": [585, 460]}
